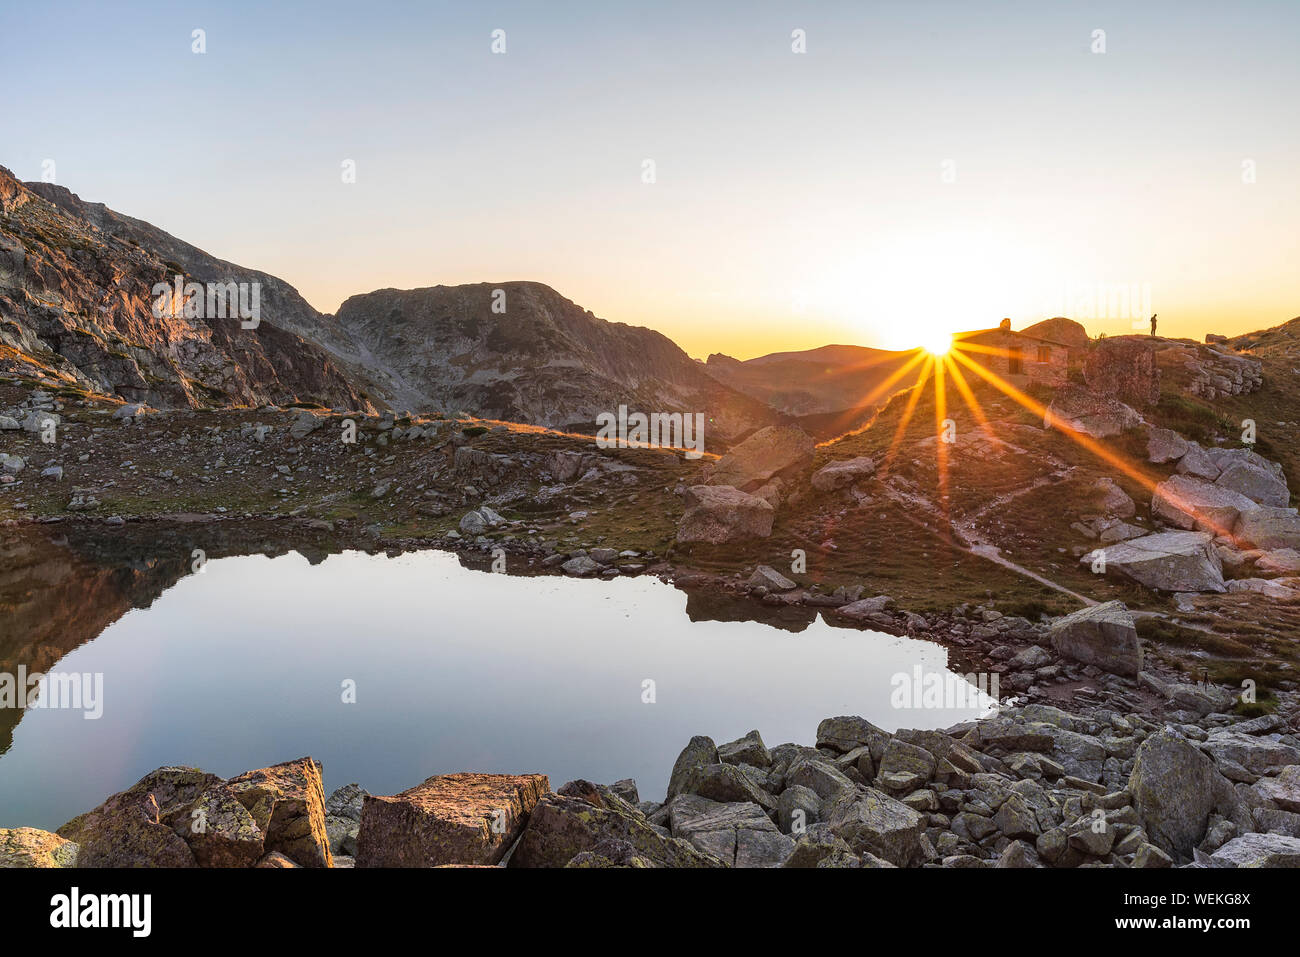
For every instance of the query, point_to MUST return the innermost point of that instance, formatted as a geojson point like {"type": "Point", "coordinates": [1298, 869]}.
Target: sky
{"type": "Point", "coordinates": [922, 167]}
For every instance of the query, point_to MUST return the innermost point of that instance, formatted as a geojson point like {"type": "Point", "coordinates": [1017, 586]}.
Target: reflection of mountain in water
{"type": "Point", "coordinates": [61, 586]}
{"type": "Point", "coordinates": [60, 589]}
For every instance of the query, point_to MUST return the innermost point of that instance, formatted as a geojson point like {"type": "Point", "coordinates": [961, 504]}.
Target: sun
{"type": "Point", "coordinates": [937, 343]}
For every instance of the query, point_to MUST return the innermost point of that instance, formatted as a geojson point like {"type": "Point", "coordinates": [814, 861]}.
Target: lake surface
{"type": "Point", "coordinates": [454, 669]}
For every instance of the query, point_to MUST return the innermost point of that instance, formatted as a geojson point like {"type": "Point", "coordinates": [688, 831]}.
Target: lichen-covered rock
{"type": "Point", "coordinates": [30, 847]}
{"type": "Point", "coordinates": [699, 751]}
{"type": "Point", "coordinates": [747, 750]}
{"type": "Point", "coordinates": [820, 847]}
{"type": "Point", "coordinates": [872, 821]}
{"type": "Point", "coordinates": [847, 732]}
{"type": "Point", "coordinates": [612, 853]}
{"type": "Point", "coordinates": [740, 834]}
{"type": "Point", "coordinates": [1175, 789]}
{"type": "Point", "coordinates": [287, 803]}
{"type": "Point", "coordinates": [127, 831]}
{"type": "Point", "coordinates": [562, 827]}
{"type": "Point", "coordinates": [449, 819]}
{"type": "Point", "coordinates": [725, 783]}
{"type": "Point", "coordinates": [221, 832]}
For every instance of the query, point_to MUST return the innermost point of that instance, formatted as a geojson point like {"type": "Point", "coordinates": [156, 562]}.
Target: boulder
{"type": "Point", "coordinates": [30, 847]}
{"type": "Point", "coordinates": [903, 758]}
{"type": "Point", "coordinates": [1255, 483]}
{"type": "Point", "coordinates": [1165, 445]}
{"type": "Point", "coordinates": [473, 523]}
{"type": "Point", "coordinates": [1192, 503]}
{"type": "Point", "coordinates": [1252, 752]}
{"type": "Point", "coordinates": [145, 825]}
{"type": "Point", "coordinates": [221, 831]}
{"type": "Point", "coordinates": [842, 473]}
{"type": "Point", "coordinates": [699, 752]}
{"type": "Point", "coordinates": [721, 513]}
{"type": "Point", "coordinates": [1263, 586]}
{"type": "Point", "coordinates": [40, 421]}
{"type": "Point", "coordinates": [873, 822]}
{"type": "Point", "coordinates": [1281, 561]}
{"type": "Point", "coordinates": [561, 827]}
{"type": "Point", "coordinates": [724, 783]}
{"type": "Point", "coordinates": [846, 733]}
{"type": "Point", "coordinates": [449, 819]}
{"type": "Point", "coordinates": [347, 802]}
{"type": "Point", "coordinates": [1269, 528]}
{"type": "Point", "coordinates": [1281, 792]}
{"type": "Point", "coordinates": [1077, 410]}
{"type": "Point", "coordinates": [1175, 789]}
{"type": "Point", "coordinates": [797, 808]}
{"type": "Point", "coordinates": [768, 451]}
{"type": "Point", "coordinates": [287, 802]}
{"type": "Point", "coordinates": [1102, 635]}
{"type": "Point", "coordinates": [127, 831]}
{"type": "Point", "coordinates": [819, 847]}
{"type": "Point", "coordinates": [766, 576]}
{"type": "Point", "coordinates": [865, 608]}
{"type": "Point", "coordinates": [738, 834]}
{"type": "Point", "coordinates": [747, 750]}
{"type": "Point", "coordinates": [820, 777]}
{"type": "Point", "coordinates": [1114, 500]}
{"type": "Point", "coordinates": [1168, 561]}
{"type": "Point", "coordinates": [130, 411]}
{"type": "Point", "coordinates": [305, 424]}
{"type": "Point", "coordinates": [1197, 463]}
{"type": "Point", "coordinates": [1259, 850]}
{"type": "Point", "coordinates": [611, 853]}
{"type": "Point", "coordinates": [581, 566]}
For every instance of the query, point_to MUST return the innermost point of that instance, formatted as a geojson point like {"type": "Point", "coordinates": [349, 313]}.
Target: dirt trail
{"type": "Point", "coordinates": [969, 540]}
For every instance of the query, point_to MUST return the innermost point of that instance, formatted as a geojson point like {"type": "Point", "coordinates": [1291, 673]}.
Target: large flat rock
{"type": "Point", "coordinates": [762, 455]}
{"type": "Point", "coordinates": [448, 819]}
{"type": "Point", "coordinates": [1192, 503]}
{"type": "Point", "coordinates": [1269, 527]}
{"type": "Point", "coordinates": [1168, 561]}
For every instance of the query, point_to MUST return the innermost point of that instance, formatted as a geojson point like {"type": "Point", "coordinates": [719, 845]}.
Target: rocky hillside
{"type": "Point", "coordinates": [75, 281]}
{"type": "Point", "coordinates": [539, 359]}
{"type": "Point", "coordinates": [77, 303]}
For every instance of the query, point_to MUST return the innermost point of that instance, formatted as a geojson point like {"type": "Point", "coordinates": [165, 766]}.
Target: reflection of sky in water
{"type": "Point", "coordinates": [242, 666]}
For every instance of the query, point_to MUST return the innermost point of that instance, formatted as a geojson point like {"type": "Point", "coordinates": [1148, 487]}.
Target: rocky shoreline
{"type": "Point", "coordinates": [1028, 786]}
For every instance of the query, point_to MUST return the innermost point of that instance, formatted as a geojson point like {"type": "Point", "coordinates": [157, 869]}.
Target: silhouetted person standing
{"type": "Point", "coordinates": [1153, 323]}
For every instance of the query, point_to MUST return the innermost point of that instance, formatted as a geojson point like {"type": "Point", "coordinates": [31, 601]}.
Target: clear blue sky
{"type": "Point", "coordinates": [799, 198]}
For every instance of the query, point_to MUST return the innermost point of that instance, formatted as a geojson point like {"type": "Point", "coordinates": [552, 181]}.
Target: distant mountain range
{"type": "Point", "coordinates": [77, 283]}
